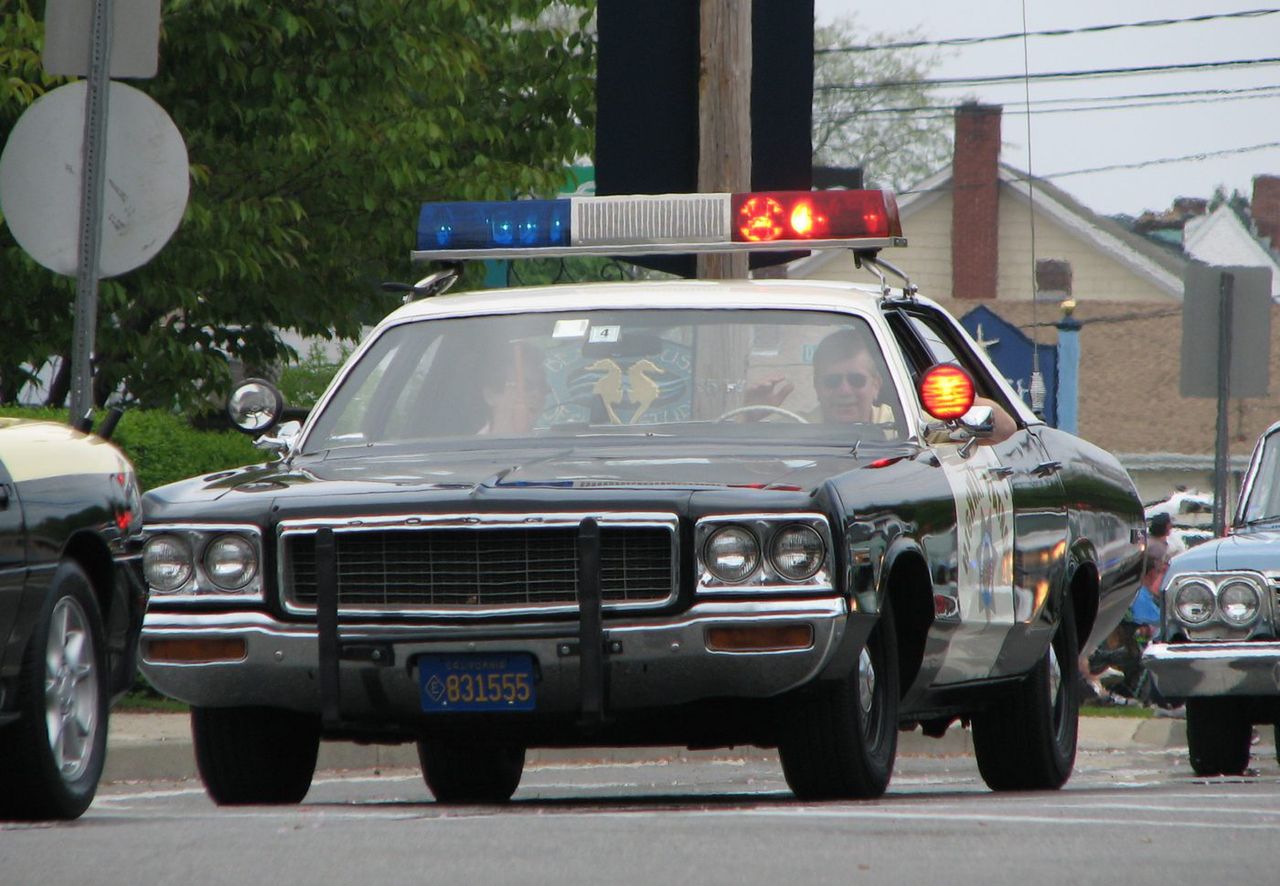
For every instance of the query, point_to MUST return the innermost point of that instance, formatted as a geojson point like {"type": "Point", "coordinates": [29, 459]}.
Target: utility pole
{"type": "Point", "coordinates": [724, 115]}
{"type": "Point", "coordinates": [724, 165]}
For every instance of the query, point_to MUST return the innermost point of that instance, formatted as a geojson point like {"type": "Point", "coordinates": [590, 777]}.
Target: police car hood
{"type": "Point", "coordinates": [489, 472]}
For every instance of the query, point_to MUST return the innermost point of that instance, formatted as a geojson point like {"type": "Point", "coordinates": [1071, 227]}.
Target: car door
{"type": "Point", "coordinates": [1010, 511]}
{"type": "Point", "coordinates": [13, 568]}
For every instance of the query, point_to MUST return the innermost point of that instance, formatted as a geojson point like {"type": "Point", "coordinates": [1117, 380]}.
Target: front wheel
{"type": "Point", "coordinates": [1028, 741]}
{"type": "Point", "coordinates": [1218, 736]}
{"type": "Point", "coordinates": [840, 741]}
{"type": "Point", "coordinates": [51, 759]}
{"type": "Point", "coordinates": [458, 772]}
{"type": "Point", "coordinates": [249, 756]}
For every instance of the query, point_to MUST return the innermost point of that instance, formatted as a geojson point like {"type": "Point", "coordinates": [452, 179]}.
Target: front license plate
{"type": "Point", "coordinates": [476, 682]}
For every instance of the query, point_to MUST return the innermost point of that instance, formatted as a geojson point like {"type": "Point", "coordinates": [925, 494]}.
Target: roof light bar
{"type": "Point", "coordinates": [663, 223]}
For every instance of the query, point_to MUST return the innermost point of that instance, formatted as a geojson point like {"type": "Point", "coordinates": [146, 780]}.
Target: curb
{"type": "Point", "coordinates": [157, 747]}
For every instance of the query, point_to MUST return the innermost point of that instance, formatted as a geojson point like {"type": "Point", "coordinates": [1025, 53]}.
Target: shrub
{"type": "Point", "coordinates": [303, 382]}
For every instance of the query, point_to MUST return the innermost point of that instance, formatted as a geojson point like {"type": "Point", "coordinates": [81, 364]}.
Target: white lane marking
{"type": "Point", "coordinates": [1199, 810]}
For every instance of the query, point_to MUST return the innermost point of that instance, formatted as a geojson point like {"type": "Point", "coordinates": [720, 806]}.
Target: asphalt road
{"type": "Point", "coordinates": [1132, 817]}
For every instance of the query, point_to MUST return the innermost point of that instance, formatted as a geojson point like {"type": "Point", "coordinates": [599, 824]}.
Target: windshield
{"type": "Point", "coordinates": [715, 374]}
{"type": "Point", "coordinates": [1264, 496]}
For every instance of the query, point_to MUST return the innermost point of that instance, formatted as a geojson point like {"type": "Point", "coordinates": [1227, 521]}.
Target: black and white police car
{"type": "Point", "coordinates": [649, 513]}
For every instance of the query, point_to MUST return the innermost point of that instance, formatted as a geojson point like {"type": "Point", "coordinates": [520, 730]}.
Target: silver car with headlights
{"type": "Point", "coordinates": [1221, 639]}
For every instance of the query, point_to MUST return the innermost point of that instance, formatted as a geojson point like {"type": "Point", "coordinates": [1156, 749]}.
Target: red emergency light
{"type": "Point", "coordinates": [765, 216]}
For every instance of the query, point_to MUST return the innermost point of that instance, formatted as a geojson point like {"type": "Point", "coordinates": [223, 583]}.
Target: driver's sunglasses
{"type": "Point", "coordinates": [832, 380]}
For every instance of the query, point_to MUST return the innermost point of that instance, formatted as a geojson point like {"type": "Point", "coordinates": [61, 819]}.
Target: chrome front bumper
{"type": "Point", "coordinates": [658, 661]}
{"type": "Point", "coordinates": [1189, 670]}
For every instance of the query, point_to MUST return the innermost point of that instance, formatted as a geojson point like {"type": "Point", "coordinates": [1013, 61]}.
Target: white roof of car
{"type": "Point", "coordinates": [759, 294]}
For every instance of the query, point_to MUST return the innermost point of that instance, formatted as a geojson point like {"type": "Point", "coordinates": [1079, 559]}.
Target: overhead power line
{"type": "Point", "coordinates": [1093, 103]}
{"type": "Point", "coordinates": [1202, 155]}
{"type": "Point", "coordinates": [1115, 167]}
{"type": "Point", "coordinates": [1057, 32]}
{"type": "Point", "coordinates": [1056, 75]}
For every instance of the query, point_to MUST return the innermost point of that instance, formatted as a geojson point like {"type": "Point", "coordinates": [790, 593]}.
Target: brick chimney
{"type": "Point", "coordinates": [975, 198]}
{"type": "Point", "coordinates": [1265, 207]}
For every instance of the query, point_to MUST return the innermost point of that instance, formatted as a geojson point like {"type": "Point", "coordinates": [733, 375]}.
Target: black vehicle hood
{"type": "Point", "coordinates": [489, 471]}
{"type": "Point", "coordinates": [1258, 550]}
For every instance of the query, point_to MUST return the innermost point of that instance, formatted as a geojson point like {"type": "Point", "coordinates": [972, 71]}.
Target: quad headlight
{"type": "Point", "coordinates": [1239, 602]}
{"type": "Point", "coordinates": [1233, 599]}
{"type": "Point", "coordinates": [762, 552]}
{"type": "Point", "coordinates": [197, 562]}
{"type": "Point", "coordinates": [797, 552]}
{"type": "Point", "coordinates": [230, 561]}
{"type": "Point", "coordinates": [166, 563]}
{"type": "Point", "coordinates": [1193, 602]}
{"type": "Point", "coordinates": [732, 553]}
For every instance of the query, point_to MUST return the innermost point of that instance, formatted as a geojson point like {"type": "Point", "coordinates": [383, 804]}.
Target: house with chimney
{"type": "Point", "coordinates": [1010, 254]}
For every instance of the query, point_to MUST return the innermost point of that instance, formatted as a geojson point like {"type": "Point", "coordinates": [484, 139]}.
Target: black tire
{"type": "Point", "coordinates": [470, 773]}
{"type": "Point", "coordinates": [254, 756]}
{"type": "Point", "coordinates": [841, 738]}
{"type": "Point", "coordinates": [1219, 735]}
{"type": "Point", "coordinates": [43, 774]}
{"type": "Point", "coordinates": [1028, 741]}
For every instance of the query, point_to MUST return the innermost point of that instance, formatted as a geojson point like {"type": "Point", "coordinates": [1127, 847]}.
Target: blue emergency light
{"type": "Point", "coordinates": [645, 224]}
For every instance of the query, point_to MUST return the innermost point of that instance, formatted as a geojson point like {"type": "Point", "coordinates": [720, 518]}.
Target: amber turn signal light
{"type": "Point", "coordinates": [762, 639]}
{"type": "Point", "coordinates": [946, 391]}
{"type": "Point", "coordinates": [196, 651]}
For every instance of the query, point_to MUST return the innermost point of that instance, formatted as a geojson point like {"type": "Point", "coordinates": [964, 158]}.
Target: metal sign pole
{"type": "Point", "coordinates": [1226, 287]}
{"type": "Point", "coordinates": [95, 131]}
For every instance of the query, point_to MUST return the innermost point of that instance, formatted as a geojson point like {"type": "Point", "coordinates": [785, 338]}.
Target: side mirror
{"type": "Point", "coordinates": [255, 406]}
{"type": "Point", "coordinates": [282, 441]}
{"type": "Point", "coordinates": [979, 421]}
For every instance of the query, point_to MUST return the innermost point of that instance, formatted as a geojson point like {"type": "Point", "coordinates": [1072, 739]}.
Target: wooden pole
{"type": "Point", "coordinates": [724, 115]}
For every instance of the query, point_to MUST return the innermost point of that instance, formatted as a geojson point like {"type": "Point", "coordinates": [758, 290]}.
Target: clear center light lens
{"type": "Point", "coordinates": [230, 562]}
{"type": "Point", "coordinates": [1239, 602]}
{"type": "Point", "coordinates": [166, 563]}
{"type": "Point", "coordinates": [797, 552]}
{"type": "Point", "coordinates": [1193, 602]}
{"type": "Point", "coordinates": [732, 553]}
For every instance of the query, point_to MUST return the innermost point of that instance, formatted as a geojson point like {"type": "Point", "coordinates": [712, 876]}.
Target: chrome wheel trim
{"type": "Point", "coordinates": [866, 682]}
{"type": "Point", "coordinates": [1055, 681]}
{"type": "Point", "coordinates": [70, 689]}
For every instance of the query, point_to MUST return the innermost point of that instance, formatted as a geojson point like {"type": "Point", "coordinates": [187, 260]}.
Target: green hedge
{"type": "Point", "coordinates": [164, 447]}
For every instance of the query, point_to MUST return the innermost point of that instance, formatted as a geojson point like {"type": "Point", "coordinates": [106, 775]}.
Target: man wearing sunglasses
{"type": "Point", "coordinates": [846, 378]}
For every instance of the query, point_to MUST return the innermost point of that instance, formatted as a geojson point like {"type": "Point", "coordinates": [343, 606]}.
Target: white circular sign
{"type": "Point", "coordinates": [145, 185]}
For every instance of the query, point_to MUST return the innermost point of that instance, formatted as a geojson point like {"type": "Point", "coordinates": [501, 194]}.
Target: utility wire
{"type": "Point", "coordinates": [942, 112]}
{"type": "Point", "coordinates": [1203, 155]}
{"type": "Point", "coordinates": [1056, 75]}
{"type": "Point", "coordinates": [1130, 100]}
{"type": "Point", "coordinates": [1059, 32]}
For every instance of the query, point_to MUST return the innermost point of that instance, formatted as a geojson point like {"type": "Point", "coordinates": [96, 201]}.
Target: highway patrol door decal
{"type": "Point", "coordinates": [984, 559]}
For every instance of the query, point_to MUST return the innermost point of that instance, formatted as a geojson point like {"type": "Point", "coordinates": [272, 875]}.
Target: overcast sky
{"type": "Point", "coordinates": [1079, 140]}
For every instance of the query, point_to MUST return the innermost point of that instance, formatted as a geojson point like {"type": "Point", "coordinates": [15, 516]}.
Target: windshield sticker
{"type": "Point", "coordinates": [571, 328]}
{"type": "Point", "coordinates": [601, 334]}
{"type": "Point", "coordinates": [619, 391]}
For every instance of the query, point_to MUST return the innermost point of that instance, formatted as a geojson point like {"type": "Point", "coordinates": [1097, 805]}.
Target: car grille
{"type": "Point", "coordinates": [464, 568]}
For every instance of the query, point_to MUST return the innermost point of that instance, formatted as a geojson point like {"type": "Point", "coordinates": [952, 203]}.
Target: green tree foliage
{"type": "Point", "coordinates": [314, 130]}
{"type": "Point", "coordinates": [850, 125]}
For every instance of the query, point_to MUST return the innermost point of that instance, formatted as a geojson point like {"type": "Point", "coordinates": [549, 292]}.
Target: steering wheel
{"type": "Point", "coordinates": [763, 407]}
